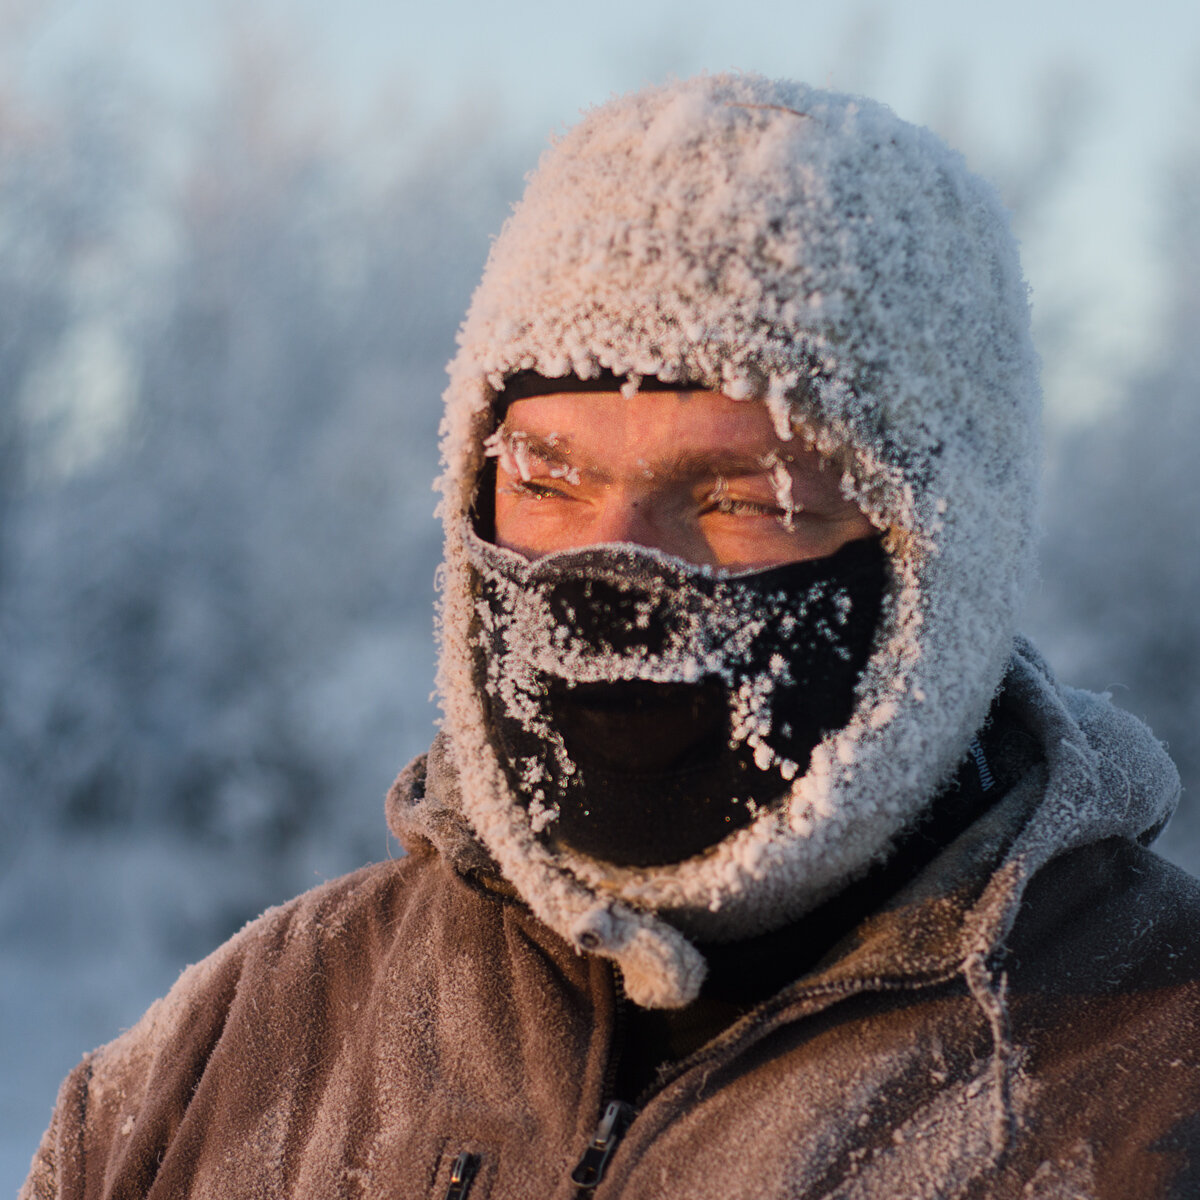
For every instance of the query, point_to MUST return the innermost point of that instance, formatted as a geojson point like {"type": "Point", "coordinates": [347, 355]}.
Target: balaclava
{"type": "Point", "coordinates": [810, 252]}
{"type": "Point", "coordinates": [645, 708]}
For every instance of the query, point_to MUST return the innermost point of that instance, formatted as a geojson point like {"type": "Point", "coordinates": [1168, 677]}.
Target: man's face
{"type": "Point", "coordinates": [692, 473]}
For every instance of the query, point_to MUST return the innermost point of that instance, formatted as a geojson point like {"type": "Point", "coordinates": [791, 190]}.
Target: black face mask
{"type": "Point", "coordinates": [644, 709]}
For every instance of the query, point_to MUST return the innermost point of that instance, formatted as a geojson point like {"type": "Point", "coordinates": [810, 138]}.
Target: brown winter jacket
{"type": "Point", "coordinates": [360, 1040]}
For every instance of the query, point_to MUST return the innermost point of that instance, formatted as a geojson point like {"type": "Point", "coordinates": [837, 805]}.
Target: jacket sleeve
{"type": "Point", "coordinates": [61, 1140]}
{"type": "Point", "coordinates": [155, 1108]}
{"type": "Point", "coordinates": [117, 1111]}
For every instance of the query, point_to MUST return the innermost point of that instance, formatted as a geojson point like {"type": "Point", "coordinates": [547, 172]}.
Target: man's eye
{"type": "Point", "coordinates": [529, 490]}
{"type": "Point", "coordinates": [738, 507]}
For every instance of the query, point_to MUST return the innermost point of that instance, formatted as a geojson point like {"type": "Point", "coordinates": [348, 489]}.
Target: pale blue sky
{"type": "Point", "coordinates": [973, 68]}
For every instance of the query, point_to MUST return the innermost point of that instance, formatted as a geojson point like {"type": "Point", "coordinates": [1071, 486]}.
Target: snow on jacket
{"type": "Point", "coordinates": [360, 1040]}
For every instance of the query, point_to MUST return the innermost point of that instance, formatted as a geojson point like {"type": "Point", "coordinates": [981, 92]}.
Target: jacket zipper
{"type": "Point", "coordinates": [617, 1115]}
{"type": "Point", "coordinates": [589, 1171]}
{"type": "Point", "coordinates": [462, 1175]}
{"type": "Point", "coordinates": [620, 1019]}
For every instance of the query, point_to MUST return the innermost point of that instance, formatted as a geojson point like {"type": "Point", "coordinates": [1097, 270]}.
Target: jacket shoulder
{"type": "Point", "coordinates": [284, 938]}
{"type": "Point", "coordinates": [1103, 974]}
{"type": "Point", "coordinates": [1110, 916]}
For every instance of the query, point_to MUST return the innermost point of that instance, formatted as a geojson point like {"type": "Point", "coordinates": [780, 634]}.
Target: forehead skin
{"type": "Point", "coordinates": [693, 473]}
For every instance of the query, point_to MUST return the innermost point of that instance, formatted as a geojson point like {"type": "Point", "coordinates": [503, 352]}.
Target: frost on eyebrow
{"type": "Point", "coordinates": [781, 479]}
{"type": "Point", "coordinates": [561, 469]}
{"type": "Point", "coordinates": [512, 448]}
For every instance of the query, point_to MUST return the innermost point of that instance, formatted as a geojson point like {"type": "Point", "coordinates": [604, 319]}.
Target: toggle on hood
{"type": "Point", "coordinates": [811, 252]}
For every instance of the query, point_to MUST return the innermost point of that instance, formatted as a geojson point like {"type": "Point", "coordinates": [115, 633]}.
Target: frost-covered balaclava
{"type": "Point", "coordinates": [811, 252]}
{"type": "Point", "coordinates": [644, 708]}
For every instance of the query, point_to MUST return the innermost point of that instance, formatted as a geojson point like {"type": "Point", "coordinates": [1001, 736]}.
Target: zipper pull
{"type": "Point", "coordinates": [593, 1164]}
{"type": "Point", "coordinates": [462, 1173]}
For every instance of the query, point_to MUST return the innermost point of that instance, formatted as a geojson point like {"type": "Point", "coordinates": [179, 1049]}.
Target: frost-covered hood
{"type": "Point", "coordinates": [812, 252]}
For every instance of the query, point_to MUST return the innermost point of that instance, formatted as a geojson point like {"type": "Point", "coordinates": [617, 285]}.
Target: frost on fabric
{"type": "Point", "coordinates": [617, 614]}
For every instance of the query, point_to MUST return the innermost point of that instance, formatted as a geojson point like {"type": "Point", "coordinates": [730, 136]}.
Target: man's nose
{"type": "Point", "coordinates": [632, 518]}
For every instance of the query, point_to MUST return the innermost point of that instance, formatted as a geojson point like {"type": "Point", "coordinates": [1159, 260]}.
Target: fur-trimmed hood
{"type": "Point", "coordinates": [811, 252]}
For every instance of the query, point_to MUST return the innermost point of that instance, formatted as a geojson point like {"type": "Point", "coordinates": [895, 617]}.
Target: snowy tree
{"type": "Point", "coordinates": [219, 629]}
{"type": "Point", "coordinates": [1122, 568]}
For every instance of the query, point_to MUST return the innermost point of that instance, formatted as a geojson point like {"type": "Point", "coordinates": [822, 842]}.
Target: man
{"type": "Point", "coordinates": [756, 857]}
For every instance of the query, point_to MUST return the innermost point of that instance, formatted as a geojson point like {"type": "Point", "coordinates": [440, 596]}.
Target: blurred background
{"type": "Point", "coordinates": [235, 243]}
